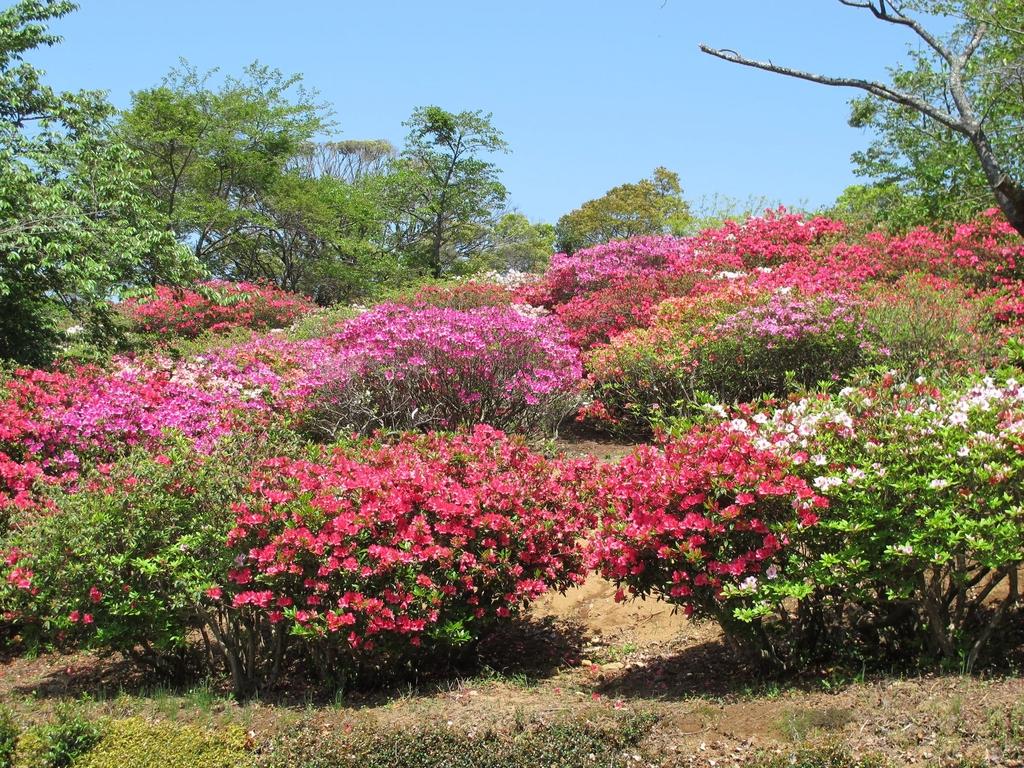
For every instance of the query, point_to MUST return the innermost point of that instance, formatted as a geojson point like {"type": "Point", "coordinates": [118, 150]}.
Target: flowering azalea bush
{"type": "Point", "coordinates": [405, 368]}
{"type": "Point", "coordinates": [706, 521]}
{"type": "Point", "coordinates": [594, 268]}
{"type": "Point", "coordinates": [374, 551]}
{"type": "Point", "coordinates": [924, 537]}
{"type": "Point", "coordinates": [985, 252]}
{"type": "Point", "coordinates": [464, 294]}
{"type": "Point", "coordinates": [729, 348]}
{"type": "Point", "coordinates": [123, 560]}
{"type": "Point", "coordinates": [628, 302]}
{"type": "Point", "coordinates": [777, 237]}
{"type": "Point", "coordinates": [216, 306]}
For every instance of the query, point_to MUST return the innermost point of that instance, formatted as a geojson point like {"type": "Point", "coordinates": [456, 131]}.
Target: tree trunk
{"type": "Point", "coordinates": [1008, 193]}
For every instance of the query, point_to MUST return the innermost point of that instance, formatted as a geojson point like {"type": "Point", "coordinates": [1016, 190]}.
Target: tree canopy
{"type": "Point", "coordinates": [648, 207]}
{"type": "Point", "coordinates": [76, 224]}
{"type": "Point", "coordinates": [446, 189]}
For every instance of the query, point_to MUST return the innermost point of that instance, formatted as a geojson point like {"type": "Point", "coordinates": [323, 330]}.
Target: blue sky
{"type": "Point", "coordinates": [589, 93]}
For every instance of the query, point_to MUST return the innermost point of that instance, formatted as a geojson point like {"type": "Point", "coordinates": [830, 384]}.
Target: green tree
{"type": "Point", "coordinates": [652, 206]}
{"type": "Point", "coordinates": [219, 160]}
{"type": "Point", "coordinates": [949, 125]}
{"type": "Point", "coordinates": [868, 206]}
{"type": "Point", "coordinates": [447, 194]}
{"type": "Point", "coordinates": [76, 226]}
{"type": "Point", "coordinates": [516, 244]}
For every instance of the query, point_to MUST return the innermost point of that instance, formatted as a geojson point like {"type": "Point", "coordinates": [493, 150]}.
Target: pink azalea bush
{"type": "Point", "coordinates": [593, 268]}
{"type": "Point", "coordinates": [406, 368]}
{"type": "Point", "coordinates": [424, 542]}
{"type": "Point", "coordinates": [216, 306]}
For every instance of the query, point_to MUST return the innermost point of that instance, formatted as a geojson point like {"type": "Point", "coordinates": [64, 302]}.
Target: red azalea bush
{"type": "Point", "coordinates": [216, 306]}
{"type": "Point", "coordinates": [705, 521]}
{"type": "Point", "coordinates": [628, 302]}
{"type": "Point", "coordinates": [775, 238]}
{"type": "Point", "coordinates": [428, 541]}
{"type": "Point", "coordinates": [984, 252]}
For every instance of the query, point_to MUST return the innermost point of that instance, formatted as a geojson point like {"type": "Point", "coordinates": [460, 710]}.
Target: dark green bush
{"type": "Point", "coordinates": [58, 744]}
{"type": "Point", "coordinates": [579, 743]}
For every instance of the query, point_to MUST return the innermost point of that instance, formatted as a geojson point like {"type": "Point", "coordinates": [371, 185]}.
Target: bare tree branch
{"type": "Point", "coordinates": [972, 46]}
{"type": "Point", "coordinates": [893, 15]}
{"type": "Point", "coordinates": [875, 88]}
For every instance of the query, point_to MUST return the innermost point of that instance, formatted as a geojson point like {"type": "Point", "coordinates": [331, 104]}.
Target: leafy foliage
{"type": "Point", "coordinates": [447, 193]}
{"type": "Point", "coordinates": [652, 206]}
{"type": "Point", "coordinates": [136, 743]}
{"type": "Point", "coordinates": [76, 225]}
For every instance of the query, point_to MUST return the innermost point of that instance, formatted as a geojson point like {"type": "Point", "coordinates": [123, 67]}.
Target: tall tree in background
{"type": "Point", "coordinates": [76, 226]}
{"type": "Point", "coordinates": [447, 191]}
{"type": "Point", "coordinates": [965, 88]}
{"type": "Point", "coordinates": [516, 244]}
{"type": "Point", "coordinates": [652, 206]}
{"type": "Point", "coordinates": [219, 160]}
{"type": "Point", "coordinates": [350, 161]}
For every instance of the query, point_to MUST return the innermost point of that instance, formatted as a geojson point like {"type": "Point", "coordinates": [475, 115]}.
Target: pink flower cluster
{"type": "Point", "coordinates": [784, 316]}
{"type": "Point", "coordinates": [400, 367]}
{"type": "Point", "coordinates": [700, 515]}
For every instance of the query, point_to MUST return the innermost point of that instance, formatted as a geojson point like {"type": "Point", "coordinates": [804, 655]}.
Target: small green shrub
{"type": "Point", "coordinates": [136, 743]}
{"type": "Point", "coordinates": [30, 751]}
{"type": "Point", "coordinates": [927, 325]}
{"type": "Point", "coordinates": [8, 737]}
{"type": "Point", "coordinates": [321, 323]}
{"type": "Point", "coordinates": [58, 744]}
{"type": "Point", "coordinates": [579, 743]}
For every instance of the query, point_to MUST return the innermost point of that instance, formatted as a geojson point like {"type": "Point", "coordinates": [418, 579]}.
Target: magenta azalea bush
{"type": "Point", "coordinates": [412, 368]}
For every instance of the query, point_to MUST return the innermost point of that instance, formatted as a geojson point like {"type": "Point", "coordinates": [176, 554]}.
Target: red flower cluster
{"type": "Point", "coordinates": [775, 238]}
{"type": "Point", "coordinates": [628, 302]}
{"type": "Point", "coordinates": [986, 252]}
{"type": "Point", "coordinates": [216, 306]}
{"type": "Point", "coordinates": [393, 543]}
{"type": "Point", "coordinates": [702, 513]}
